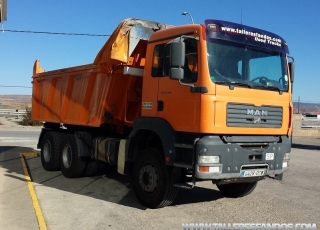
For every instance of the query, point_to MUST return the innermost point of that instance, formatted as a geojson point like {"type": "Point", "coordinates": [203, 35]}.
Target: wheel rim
{"type": "Point", "coordinates": [148, 178]}
{"type": "Point", "coordinates": [67, 156]}
{"type": "Point", "coordinates": [47, 151]}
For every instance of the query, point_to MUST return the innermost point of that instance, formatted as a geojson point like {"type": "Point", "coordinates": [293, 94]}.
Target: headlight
{"type": "Point", "coordinates": [208, 159]}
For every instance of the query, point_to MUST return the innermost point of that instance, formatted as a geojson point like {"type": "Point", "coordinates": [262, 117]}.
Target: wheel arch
{"type": "Point", "coordinates": [158, 133]}
{"type": "Point", "coordinates": [46, 129]}
{"type": "Point", "coordinates": [42, 133]}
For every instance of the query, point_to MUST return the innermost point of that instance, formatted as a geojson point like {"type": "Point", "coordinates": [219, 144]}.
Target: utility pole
{"type": "Point", "coordinates": [3, 12]}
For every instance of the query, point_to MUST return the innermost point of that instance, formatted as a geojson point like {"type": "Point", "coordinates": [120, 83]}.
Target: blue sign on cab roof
{"type": "Point", "coordinates": [217, 29]}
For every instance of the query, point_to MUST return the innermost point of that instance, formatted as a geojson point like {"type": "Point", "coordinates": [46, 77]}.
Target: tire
{"type": "Point", "coordinates": [235, 190]}
{"type": "Point", "coordinates": [50, 151]}
{"type": "Point", "coordinates": [152, 180]}
{"type": "Point", "coordinates": [91, 168]}
{"type": "Point", "coordinates": [70, 163]}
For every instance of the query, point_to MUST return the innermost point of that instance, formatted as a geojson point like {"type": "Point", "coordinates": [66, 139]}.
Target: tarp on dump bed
{"type": "Point", "coordinates": [123, 41]}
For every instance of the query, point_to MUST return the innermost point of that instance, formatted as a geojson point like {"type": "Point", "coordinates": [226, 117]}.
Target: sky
{"type": "Point", "coordinates": [296, 21]}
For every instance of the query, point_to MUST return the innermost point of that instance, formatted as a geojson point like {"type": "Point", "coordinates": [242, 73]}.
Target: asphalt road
{"type": "Point", "coordinates": [19, 137]}
{"type": "Point", "coordinates": [16, 208]}
{"type": "Point", "coordinates": [106, 201]}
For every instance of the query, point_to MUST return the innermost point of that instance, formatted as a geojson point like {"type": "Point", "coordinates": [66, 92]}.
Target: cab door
{"type": "Point", "coordinates": [176, 103]}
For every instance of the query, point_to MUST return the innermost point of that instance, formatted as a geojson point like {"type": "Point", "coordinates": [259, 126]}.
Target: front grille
{"type": "Point", "coordinates": [255, 158]}
{"type": "Point", "coordinates": [248, 115]}
{"type": "Point", "coordinates": [254, 166]}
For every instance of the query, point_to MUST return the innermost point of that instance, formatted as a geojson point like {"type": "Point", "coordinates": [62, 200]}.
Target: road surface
{"type": "Point", "coordinates": [106, 201]}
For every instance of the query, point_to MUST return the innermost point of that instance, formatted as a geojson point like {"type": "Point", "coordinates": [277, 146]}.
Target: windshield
{"type": "Point", "coordinates": [248, 66]}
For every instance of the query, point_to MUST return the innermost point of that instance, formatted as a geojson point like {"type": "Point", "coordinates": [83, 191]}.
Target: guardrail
{"type": "Point", "coordinates": [310, 122]}
{"type": "Point", "coordinates": [12, 112]}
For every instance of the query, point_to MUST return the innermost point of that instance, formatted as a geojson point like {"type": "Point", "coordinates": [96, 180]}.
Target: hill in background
{"type": "Point", "coordinates": [15, 101]}
{"type": "Point", "coordinates": [306, 108]}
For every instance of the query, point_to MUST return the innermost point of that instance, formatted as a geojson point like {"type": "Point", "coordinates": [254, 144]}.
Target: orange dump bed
{"type": "Point", "coordinates": [101, 92]}
{"type": "Point", "coordinates": [85, 96]}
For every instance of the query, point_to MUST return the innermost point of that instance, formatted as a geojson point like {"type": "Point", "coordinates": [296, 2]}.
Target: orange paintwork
{"type": "Point", "coordinates": [181, 108]}
{"type": "Point", "coordinates": [37, 68]}
{"type": "Point", "coordinates": [205, 113]}
{"type": "Point", "coordinates": [215, 106]}
{"type": "Point", "coordinates": [97, 93]}
{"type": "Point", "coordinates": [82, 95]}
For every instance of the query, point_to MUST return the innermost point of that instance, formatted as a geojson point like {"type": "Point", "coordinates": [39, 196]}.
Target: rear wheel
{"type": "Point", "coordinates": [50, 147]}
{"type": "Point", "coordinates": [91, 168]}
{"type": "Point", "coordinates": [152, 180]}
{"type": "Point", "coordinates": [70, 163]}
{"type": "Point", "coordinates": [235, 190]}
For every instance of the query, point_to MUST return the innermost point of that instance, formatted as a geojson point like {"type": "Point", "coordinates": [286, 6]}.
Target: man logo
{"type": "Point", "coordinates": [257, 112]}
{"type": "Point", "coordinates": [257, 120]}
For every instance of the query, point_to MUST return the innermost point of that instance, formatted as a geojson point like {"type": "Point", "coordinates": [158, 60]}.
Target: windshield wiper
{"type": "Point", "coordinates": [241, 84]}
{"type": "Point", "coordinates": [232, 84]}
{"type": "Point", "coordinates": [274, 88]}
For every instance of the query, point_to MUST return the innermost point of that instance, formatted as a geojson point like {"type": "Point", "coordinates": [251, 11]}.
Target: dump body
{"type": "Point", "coordinates": [103, 92]}
{"type": "Point", "coordinates": [86, 97]}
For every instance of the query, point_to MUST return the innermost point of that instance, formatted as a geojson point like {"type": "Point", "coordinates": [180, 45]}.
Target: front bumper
{"type": "Point", "coordinates": [235, 158]}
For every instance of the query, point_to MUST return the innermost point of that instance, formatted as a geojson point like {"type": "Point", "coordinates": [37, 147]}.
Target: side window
{"type": "Point", "coordinates": [191, 61]}
{"type": "Point", "coordinates": [161, 61]}
{"type": "Point", "coordinates": [157, 61]}
{"type": "Point", "coordinates": [240, 67]}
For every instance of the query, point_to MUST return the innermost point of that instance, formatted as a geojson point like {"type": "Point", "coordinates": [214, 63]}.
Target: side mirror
{"type": "Point", "coordinates": [177, 52]}
{"type": "Point", "coordinates": [291, 69]}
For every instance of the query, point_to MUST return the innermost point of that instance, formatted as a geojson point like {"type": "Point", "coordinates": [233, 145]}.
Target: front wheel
{"type": "Point", "coordinates": [152, 180]}
{"type": "Point", "coordinates": [235, 190]}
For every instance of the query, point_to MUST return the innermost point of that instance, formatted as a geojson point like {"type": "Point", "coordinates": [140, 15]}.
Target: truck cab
{"type": "Point", "coordinates": [225, 90]}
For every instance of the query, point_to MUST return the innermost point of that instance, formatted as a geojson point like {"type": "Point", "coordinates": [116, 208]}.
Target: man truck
{"type": "Point", "coordinates": [171, 106]}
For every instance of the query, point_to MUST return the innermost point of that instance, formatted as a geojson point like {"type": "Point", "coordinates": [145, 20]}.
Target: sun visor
{"type": "Point", "coordinates": [123, 41]}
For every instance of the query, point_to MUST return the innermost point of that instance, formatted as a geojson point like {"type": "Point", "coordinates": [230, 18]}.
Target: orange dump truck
{"type": "Point", "coordinates": [172, 105]}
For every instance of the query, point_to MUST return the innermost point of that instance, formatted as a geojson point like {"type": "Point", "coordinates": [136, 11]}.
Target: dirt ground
{"type": "Point", "coordinates": [13, 123]}
{"type": "Point", "coordinates": [15, 101]}
{"type": "Point", "coordinates": [10, 122]}
{"type": "Point", "coordinates": [20, 102]}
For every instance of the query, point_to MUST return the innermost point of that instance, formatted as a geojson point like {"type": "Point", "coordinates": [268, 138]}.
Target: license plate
{"type": "Point", "coordinates": [252, 173]}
